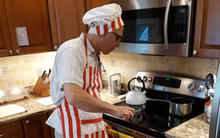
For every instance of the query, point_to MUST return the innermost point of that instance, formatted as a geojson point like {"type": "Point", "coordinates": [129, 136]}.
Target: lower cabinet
{"type": "Point", "coordinates": [35, 127]}
{"type": "Point", "coordinates": [30, 127]}
{"type": "Point", "coordinates": [51, 129]}
{"type": "Point", "coordinates": [12, 130]}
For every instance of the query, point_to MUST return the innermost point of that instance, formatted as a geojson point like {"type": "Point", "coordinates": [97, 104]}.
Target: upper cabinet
{"type": "Point", "coordinates": [24, 27]}
{"type": "Point", "coordinates": [207, 29]}
{"type": "Point", "coordinates": [5, 42]}
{"type": "Point", "coordinates": [95, 3]}
{"type": "Point", "coordinates": [66, 20]}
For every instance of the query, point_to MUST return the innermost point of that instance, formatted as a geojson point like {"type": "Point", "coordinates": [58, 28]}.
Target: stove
{"type": "Point", "coordinates": [153, 119]}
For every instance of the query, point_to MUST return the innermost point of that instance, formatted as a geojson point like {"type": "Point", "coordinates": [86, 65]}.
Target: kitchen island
{"type": "Point", "coordinates": [196, 127]}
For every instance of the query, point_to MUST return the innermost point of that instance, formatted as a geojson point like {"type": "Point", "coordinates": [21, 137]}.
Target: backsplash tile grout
{"type": "Point", "coordinates": [23, 70]}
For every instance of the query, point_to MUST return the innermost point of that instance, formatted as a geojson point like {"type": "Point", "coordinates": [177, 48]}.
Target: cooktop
{"type": "Point", "coordinates": [152, 118]}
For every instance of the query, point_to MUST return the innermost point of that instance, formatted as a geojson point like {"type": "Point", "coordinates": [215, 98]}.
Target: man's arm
{"type": "Point", "coordinates": [76, 96]}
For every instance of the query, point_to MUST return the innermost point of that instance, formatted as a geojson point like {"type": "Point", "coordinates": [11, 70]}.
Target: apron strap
{"type": "Point", "coordinates": [90, 121]}
{"type": "Point", "coordinates": [85, 44]}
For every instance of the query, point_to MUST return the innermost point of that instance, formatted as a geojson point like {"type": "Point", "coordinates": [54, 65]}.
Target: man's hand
{"type": "Point", "coordinates": [107, 126]}
{"type": "Point", "coordinates": [124, 112]}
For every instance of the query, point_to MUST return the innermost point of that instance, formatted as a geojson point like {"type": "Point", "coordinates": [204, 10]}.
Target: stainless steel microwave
{"type": "Point", "coordinates": [157, 27]}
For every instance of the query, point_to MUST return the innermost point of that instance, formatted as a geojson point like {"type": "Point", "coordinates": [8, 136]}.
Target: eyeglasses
{"type": "Point", "coordinates": [118, 37]}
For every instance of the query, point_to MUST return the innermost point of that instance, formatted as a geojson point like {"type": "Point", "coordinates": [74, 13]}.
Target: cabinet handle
{"type": "Point", "coordinates": [27, 121]}
{"type": "Point", "coordinates": [17, 51]}
{"type": "Point", "coordinates": [55, 47]}
{"type": "Point", "coordinates": [195, 52]}
{"type": "Point", "coordinates": [1, 135]}
{"type": "Point", "coordinates": [10, 52]}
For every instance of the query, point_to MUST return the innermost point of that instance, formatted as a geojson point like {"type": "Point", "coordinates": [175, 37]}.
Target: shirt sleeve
{"type": "Point", "coordinates": [70, 67]}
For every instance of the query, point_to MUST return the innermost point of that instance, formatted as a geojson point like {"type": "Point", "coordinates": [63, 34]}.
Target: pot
{"type": "Point", "coordinates": [136, 95]}
{"type": "Point", "coordinates": [178, 106]}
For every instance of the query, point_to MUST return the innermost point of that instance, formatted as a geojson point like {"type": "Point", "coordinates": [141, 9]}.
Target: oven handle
{"type": "Point", "coordinates": [166, 23]}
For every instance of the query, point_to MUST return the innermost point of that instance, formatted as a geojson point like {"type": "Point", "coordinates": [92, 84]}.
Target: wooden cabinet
{"type": "Point", "coordinates": [35, 127]}
{"type": "Point", "coordinates": [66, 19]}
{"type": "Point", "coordinates": [95, 3]}
{"type": "Point", "coordinates": [51, 128]}
{"type": "Point", "coordinates": [30, 127]}
{"type": "Point", "coordinates": [5, 42]}
{"type": "Point", "coordinates": [24, 27]}
{"type": "Point", "coordinates": [12, 130]}
{"type": "Point", "coordinates": [207, 29]}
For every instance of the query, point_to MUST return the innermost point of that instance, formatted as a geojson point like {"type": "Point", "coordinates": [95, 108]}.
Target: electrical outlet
{"type": "Point", "coordinates": [4, 70]}
{"type": "Point", "coordinates": [212, 66]}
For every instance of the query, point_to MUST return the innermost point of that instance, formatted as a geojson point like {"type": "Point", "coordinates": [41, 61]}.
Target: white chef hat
{"type": "Point", "coordinates": [104, 19]}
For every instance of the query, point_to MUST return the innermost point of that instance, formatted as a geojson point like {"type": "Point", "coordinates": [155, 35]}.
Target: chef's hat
{"type": "Point", "coordinates": [104, 19]}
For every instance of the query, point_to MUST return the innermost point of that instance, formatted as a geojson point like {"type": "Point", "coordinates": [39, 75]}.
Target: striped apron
{"type": "Point", "coordinates": [77, 123]}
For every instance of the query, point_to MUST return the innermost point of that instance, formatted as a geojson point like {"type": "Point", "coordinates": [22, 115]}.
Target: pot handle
{"type": "Point", "coordinates": [158, 100]}
{"type": "Point", "coordinates": [139, 80]}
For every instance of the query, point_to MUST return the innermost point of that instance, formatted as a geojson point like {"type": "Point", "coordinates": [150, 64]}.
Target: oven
{"type": "Point", "coordinates": [153, 119]}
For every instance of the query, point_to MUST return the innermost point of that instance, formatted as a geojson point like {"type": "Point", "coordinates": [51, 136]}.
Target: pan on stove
{"type": "Point", "coordinates": [178, 106]}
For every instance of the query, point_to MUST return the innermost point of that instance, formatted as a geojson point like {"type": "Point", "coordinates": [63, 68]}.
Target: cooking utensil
{"type": "Point", "coordinates": [136, 95]}
{"type": "Point", "coordinates": [43, 74]}
{"type": "Point", "coordinates": [178, 106]}
{"type": "Point", "coordinates": [49, 73]}
{"type": "Point", "coordinates": [210, 81]}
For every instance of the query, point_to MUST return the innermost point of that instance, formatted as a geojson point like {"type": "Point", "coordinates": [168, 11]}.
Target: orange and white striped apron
{"type": "Point", "coordinates": [77, 123]}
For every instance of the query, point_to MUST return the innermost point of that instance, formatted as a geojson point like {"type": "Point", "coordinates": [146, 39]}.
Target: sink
{"type": "Point", "coordinates": [11, 109]}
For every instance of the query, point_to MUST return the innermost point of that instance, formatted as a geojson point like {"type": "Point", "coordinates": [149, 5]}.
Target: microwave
{"type": "Point", "coordinates": [157, 27]}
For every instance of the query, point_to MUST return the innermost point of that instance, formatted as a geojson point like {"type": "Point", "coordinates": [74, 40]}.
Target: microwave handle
{"type": "Point", "coordinates": [166, 23]}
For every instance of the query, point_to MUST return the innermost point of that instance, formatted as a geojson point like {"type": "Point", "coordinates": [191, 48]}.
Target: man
{"type": "Point", "coordinates": [76, 77]}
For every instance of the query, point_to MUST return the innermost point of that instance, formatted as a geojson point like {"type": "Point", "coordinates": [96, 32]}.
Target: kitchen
{"type": "Point", "coordinates": [23, 70]}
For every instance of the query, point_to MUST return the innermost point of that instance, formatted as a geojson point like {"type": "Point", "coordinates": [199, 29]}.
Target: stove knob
{"type": "Point", "coordinates": [200, 88]}
{"type": "Point", "coordinates": [149, 79]}
{"type": "Point", "coordinates": [145, 78]}
{"type": "Point", "coordinates": [192, 86]}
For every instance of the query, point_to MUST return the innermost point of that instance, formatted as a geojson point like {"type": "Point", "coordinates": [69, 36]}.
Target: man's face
{"type": "Point", "coordinates": [111, 41]}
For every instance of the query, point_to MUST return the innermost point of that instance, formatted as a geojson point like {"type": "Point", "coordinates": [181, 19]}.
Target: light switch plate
{"type": "Point", "coordinates": [22, 36]}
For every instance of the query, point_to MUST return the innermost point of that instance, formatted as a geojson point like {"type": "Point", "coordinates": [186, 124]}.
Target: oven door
{"type": "Point", "coordinates": [127, 131]}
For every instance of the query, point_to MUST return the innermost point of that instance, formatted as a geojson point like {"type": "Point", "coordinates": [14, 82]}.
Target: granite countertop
{"type": "Point", "coordinates": [196, 127]}
{"type": "Point", "coordinates": [34, 107]}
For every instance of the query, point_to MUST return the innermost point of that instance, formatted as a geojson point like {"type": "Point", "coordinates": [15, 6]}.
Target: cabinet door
{"type": "Point", "coordinates": [5, 42]}
{"type": "Point", "coordinates": [35, 127]}
{"type": "Point", "coordinates": [51, 128]}
{"type": "Point", "coordinates": [95, 3]}
{"type": "Point", "coordinates": [207, 29]}
{"type": "Point", "coordinates": [12, 130]}
{"type": "Point", "coordinates": [29, 25]}
{"type": "Point", "coordinates": [66, 19]}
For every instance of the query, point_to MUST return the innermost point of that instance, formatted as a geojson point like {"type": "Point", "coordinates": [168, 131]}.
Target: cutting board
{"type": "Point", "coordinates": [10, 109]}
{"type": "Point", "coordinates": [45, 101]}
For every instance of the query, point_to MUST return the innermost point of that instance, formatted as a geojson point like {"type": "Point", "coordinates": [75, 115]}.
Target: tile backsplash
{"type": "Point", "coordinates": [129, 64]}
{"type": "Point", "coordinates": [19, 71]}
{"type": "Point", "coordinates": [23, 70]}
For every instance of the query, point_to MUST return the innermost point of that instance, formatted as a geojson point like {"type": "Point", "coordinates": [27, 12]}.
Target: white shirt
{"type": "Point", "coordinates": [69, 65]}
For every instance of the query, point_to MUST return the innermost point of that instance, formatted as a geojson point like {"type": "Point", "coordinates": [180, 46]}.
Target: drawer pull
{"type": "Point", "coordinates": [27, 121]}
